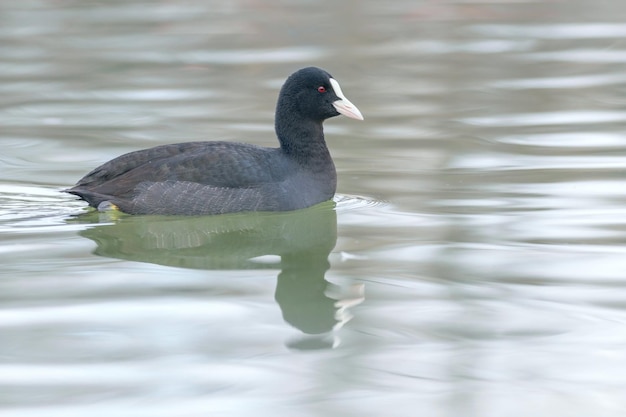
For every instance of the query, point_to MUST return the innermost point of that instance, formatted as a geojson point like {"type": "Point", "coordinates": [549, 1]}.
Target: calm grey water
{"type": "Point", "coordinates": [473, 263]}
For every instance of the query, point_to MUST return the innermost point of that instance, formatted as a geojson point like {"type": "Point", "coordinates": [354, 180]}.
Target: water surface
{"type": "Point", "coordinates": [472, 263]}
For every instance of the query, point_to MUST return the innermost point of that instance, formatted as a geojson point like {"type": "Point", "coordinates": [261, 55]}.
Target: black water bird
{"type": "Point", "coordinates": [197, 178]}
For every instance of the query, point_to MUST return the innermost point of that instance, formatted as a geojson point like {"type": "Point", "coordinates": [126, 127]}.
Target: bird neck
{"type": "Point", "coordinates": [301, 139]}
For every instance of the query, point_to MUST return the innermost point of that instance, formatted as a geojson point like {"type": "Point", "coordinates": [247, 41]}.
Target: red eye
{"type": "Point", "coordinates": [321, 89]}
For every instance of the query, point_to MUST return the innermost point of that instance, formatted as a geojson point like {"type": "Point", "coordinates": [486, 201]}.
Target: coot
{"type": "Point", "coordinates": [197, 178]}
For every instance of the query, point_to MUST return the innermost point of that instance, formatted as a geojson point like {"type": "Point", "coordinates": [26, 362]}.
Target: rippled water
{"type": "Point", "coordinates": [473, 263]}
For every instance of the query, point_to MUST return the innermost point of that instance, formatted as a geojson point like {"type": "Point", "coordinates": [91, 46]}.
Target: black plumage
{"type": "Point", "coordinates": [221, 177]}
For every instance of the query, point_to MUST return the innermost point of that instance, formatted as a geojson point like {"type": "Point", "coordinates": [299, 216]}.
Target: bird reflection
{"type": "Point", "coordinates": [303, 239]}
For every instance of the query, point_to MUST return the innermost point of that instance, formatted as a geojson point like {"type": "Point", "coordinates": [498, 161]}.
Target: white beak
{"type": "Point", "coordinates": [343, 105]}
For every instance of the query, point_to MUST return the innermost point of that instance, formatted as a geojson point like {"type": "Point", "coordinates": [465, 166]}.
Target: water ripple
{"type": "Point", "coordinates": [585, 56]}
{"type": "Point", "coordinates": [547, 118]}
{"type": "Point", "coordinates": [579, 81]}
{"type": "Point", "coordinates": [351, 202]}
{"type": "Point", "coordinates": [599, 30]}
{"type": "Point", "coordinates": [224, 57]}
{"type": "Point", "coordinates": [503, 161]}
{"type": "Point", "coordinates": [568, 140]}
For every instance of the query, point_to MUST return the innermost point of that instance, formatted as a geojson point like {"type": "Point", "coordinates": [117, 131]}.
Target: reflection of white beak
{"type": "Point", "coordinates": [343, 105]}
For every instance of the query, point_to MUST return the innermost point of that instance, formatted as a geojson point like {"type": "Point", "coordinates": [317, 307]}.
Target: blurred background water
{"type": "Point", "coordinates": [473, 263]}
